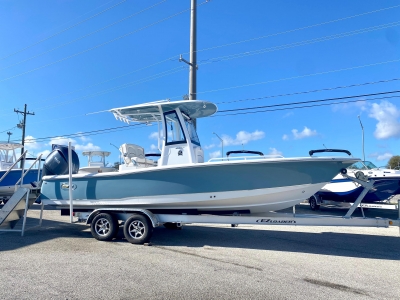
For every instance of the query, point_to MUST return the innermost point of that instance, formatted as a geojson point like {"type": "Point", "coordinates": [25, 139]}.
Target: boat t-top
{"type": "Point", "coordinates": [182, 181]}
{"type": "Point", "coordinates": [96, 162]}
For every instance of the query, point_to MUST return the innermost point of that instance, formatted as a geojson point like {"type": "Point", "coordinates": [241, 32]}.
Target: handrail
{"type": "Point", "coordinates": [27, 171]}
{"type": "Point", "coordinates": [311, 152]}
{"type": "Point", "coordinates": [244, 151]}
{"type": "Point", "coordinates": [17, 161]}
{"type": "Point", "coordinates": [245, 158]}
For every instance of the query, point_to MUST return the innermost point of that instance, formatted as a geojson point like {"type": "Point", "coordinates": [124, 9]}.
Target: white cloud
{"type": "Point", "coordinates": [31, 143]}
{"type": "Point", "coordinates": [285, 137]}
{"type": "Point", "coordinates": [274, 151]}
{"type": "Point", "coordinates": [79, 147]}
{"type": "Point", "coordinates": [153, 136]}
{"type": "Point", "coordinates": [44, 153]}
{"type": "Point", "coordinates": [215, 154]}
{"type": "Point", "coordinates": [307, 132]}
{"type": "Point", "coordinates": [153, 147]}
{"type": "Point", "coordinates": [387, 116]}
{"type": "Point", "coordinates": [288, 114]}
{"type": "Point", "coordinates": [209, 146]}
{"type": "Point", "coordinates": [380, 157]}
{"type": "Point", "coordinates": [350, 107]}
{"type": "Point", "coordinates": [243, 137]}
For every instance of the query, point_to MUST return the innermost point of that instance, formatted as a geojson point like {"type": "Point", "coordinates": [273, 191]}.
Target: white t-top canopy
{"type": "Point", "coordinates": [98, 153]}
{"type": "Point", "coordinates": [150, 112]}
{"type": "Point", "coordinates": [9, 146]}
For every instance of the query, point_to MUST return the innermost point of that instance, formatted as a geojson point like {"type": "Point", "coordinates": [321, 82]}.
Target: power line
{"type": "Point", "coordinates": [97, 46]}
{"type": "Point", "coordinates": [311, 101]}
{"type": "Point", "coordinates": [305, 106]}
{"type": "Point", "coordinates": [296, 44]}
{"type": "Point", "coordinates": [64, 30]}
{"type": "Point", "coordinates": [126, 85]}
{"type": "Point", "coordinates": [225, 45]}
{"type": "Point", "coordinates": [296, 29]}
{"type": "Point", "coordinates": [311, 91]}
{"type": "Point", "coordinates": [297, 77]}
{"type": "Point", "coordinates": [85, 36]}
{"type": "Point", "coordinates": [87, 133]}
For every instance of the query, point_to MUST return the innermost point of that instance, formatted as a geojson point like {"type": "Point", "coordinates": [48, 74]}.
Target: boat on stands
{"type": "Point", "coordinates": [343, 189]}
{"type": "Point", "coordinates": [181, 180]}
{"type": "Point", "coordinates": [11, 172]}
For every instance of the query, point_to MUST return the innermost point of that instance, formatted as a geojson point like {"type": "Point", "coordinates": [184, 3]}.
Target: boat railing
{"type": "Point", "coordinates": [27, 171]}
{"type": "Point", "coordinates": [245, 158]}
{"type": "Point", "coordinates": [13, 165]}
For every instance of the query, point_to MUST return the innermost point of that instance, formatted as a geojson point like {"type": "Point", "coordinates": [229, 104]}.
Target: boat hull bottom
{"type": "Point", "coordinates": [252, 201]}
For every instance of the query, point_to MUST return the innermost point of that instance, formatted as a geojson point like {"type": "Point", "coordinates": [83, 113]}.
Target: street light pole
{"type": "Point", "coordinates": [362, 128]}
{"type": "Point", "coordinates": [222, 143]}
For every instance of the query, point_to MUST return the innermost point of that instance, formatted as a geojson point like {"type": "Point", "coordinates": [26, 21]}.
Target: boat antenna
{"type": "Point", "coordinates": [362, 128]}
{"type": "Point", "coordinates": [222, 143]}
{"type": "Point", "coordinates": [118, 152]}
{"type": "Point", "coordinates": [324, 146]}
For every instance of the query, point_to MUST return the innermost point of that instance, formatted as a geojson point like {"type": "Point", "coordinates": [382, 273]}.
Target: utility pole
{"type": "Point", "coordinates": [193, 55]}
{"type": "Point", "coordinates": [24, 113]}
{"type": "Point", "coordinates": [9, 134]}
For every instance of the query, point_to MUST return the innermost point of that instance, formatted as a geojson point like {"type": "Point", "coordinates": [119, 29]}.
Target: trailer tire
{"type": "Point", "coordinates": [104, 227]}
{"type": "Point", "coordinates": [138, 229]}
{"type": "Point", "coordinates": [313, 203]}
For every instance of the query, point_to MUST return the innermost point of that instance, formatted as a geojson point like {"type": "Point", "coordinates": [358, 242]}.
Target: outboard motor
{"type": "Point", "coordinates": [56, 162]}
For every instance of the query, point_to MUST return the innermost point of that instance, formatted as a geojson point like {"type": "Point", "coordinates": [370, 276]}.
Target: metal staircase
{"type": "Point", "coordinates": [15, 209]}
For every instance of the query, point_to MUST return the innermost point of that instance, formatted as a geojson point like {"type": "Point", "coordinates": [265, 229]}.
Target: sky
{"type": "Point", "coordinates": [70, 61]}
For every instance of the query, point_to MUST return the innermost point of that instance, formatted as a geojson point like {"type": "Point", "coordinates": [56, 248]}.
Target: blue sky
{"type": "Point", "coordinates": [68, 59]}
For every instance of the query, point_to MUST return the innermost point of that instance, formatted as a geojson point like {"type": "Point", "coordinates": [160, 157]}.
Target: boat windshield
{"type": "Point", "coordinates": [192, 131]}
{"type": "Point", "coordinates": [174, 130]}
{"type": "Point", "coordinates": [362, 165]}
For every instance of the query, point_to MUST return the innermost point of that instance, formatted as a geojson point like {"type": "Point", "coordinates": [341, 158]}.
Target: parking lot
{"type": "Point", "coordinates": [203, 261]}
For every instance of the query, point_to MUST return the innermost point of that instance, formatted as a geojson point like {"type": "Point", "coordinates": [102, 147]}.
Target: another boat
{"type": "Point", "coordinates": [96, 162]}
{"type": "Point", "coordinates": [181, 181]}
{"type": "Point", "coordinates": [342, 189]}
{"type": "Point", "coordinates": [8, 157]}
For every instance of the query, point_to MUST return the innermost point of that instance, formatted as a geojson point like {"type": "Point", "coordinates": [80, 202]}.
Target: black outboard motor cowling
{"type": "Point", "coordinates": [56, 162]}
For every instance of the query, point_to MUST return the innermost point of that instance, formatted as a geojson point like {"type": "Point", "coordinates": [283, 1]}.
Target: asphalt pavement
{"type": "Point", "coordinates": [202, 261]}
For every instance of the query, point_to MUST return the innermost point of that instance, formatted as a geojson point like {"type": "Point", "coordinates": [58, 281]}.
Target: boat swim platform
{"type": "Point", "coordinates": [16, 209]}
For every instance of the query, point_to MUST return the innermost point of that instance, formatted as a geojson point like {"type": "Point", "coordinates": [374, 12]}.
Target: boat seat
{"type": "Point", "coordinates": [134, 155]}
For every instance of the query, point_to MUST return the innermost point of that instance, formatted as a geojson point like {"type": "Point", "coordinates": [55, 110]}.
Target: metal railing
{"type": "Point", "coordinates": [20, 181]}
{"type": "Point", "coordinates": [245, 158]}
{"type": "Point", "coordinates": [17, 161]}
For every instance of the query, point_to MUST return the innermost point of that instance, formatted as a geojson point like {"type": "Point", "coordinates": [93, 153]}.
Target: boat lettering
{"type": "Point", "coordinates": [276, 221]}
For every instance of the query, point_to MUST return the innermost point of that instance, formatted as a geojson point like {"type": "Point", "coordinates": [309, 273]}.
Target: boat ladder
{"type": "Point", "coordinates": [16, 208]}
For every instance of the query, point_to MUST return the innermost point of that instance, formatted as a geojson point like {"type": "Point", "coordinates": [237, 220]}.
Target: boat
{"type": "Point", "coordinates": [11, 173]}
{"type": "Point", "coordinates": [343, 189]}
{"type": "Point", "coordinates": [96, 162]}
{"type": "Point", "coordinates": [182, 181]}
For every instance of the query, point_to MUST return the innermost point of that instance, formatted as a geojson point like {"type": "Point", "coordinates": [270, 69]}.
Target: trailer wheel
{"type": "Point", "coordinates": [313, 203]}
{"type": "Point", "coordinates": [138, 229]}
{"type": "Point", "coordinates": [104, 227]}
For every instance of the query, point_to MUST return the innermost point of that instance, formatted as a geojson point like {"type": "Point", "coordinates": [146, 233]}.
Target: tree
{"type": "Point", "coordinates": [393, 162]}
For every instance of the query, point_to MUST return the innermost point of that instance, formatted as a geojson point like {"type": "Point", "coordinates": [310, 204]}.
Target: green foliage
{"type": "Point", "coordinates": [394, 162]}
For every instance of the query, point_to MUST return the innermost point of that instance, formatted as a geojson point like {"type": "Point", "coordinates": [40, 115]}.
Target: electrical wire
{"type": "Point", "coordinates": [311, 91]}
{"type": "Point", "coordinates": [305, 106]}
{"type": "Point", "coordinates": [64, 30]}
{"type": "Point", "coordinates": [295, 29]}
{"type": "Point", "coordinates": [296, 44]}
{"type": "Point", "coordinates": [87, 133]}
{"type": "Point", "coordinates": [97, 46]}
{"type": "Point", "coordinates": [85, 36]}
{"type": "Point", "coordinates": [311, 101]}
{"type": "Point", "coordinates": [296, 77]}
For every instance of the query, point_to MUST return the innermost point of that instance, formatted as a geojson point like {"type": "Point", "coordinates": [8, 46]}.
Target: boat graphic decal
{"type": "Point", "coordinates": [276, 221]}
{"type": "Point", "coordinates": [65, 186]}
